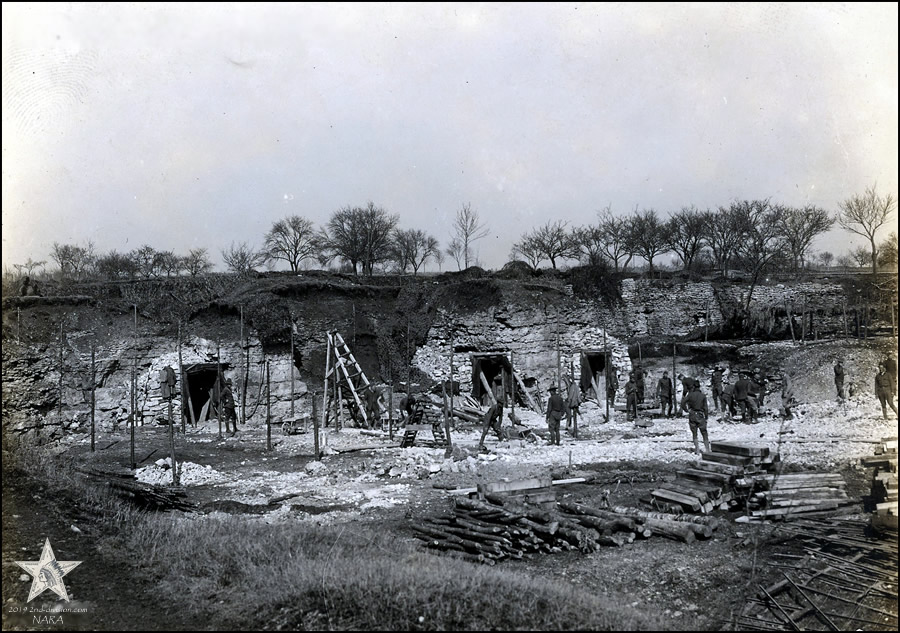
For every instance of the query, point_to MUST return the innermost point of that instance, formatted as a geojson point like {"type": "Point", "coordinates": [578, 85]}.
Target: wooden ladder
{"type": "Point", "coordinates": [349, 376]}
{"type": "Point", "coordinates": [412, 430]}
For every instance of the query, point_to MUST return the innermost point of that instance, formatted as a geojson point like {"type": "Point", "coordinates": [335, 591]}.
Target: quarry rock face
{"type": "Point", "coordinates": [522, 324]}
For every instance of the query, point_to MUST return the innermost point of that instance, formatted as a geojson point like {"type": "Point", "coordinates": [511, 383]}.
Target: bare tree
{"type": "Point", "coordinates": [887, 251]}
{"type": "Point", "coordinates": [826, 258]}
{"type": "Point", "coordinates": [455, 250]}
{"type": "Point", "coordinates": [439, 258]}
{"type": "Point", "coordinates": [800, 226]}
{"type": "Point", "coordinates": [196, 262]}
{"type": "Point", "coordinates": [360, 235]}
{"type": "Point", "coordinates": [412, 247]}
{"type": "Point", "coordinates": [865, 215]}
{"type": "Point", "coordinates": [686, 234]}
{"type": "Point", "coordinates": [589, 242]}
{"type": "Point", "coordinates": [467, 228]}
{"type": "Point", "coordinates": [147, 260]}
{"type": "Point", "coordinates": [169, 263]}
{"type": "Point", "coordinates": [73, 260]}
{"type": "Point", "coordinates": [115, 265]}
{"type": "Point", "coordinates": [530, 250]}
{"type": "Point", "coordinates": [861, 256]}
{"type": "Point", "coordinates": [292, 239]}
{"type": "Point", "coordinates": [616, 236]}
{"type": "Point", "coordinates": [29, 267]}
{"type": "Point", "coordinates": [554, 241]}
{"type": "Point", "coordinates": [762, 242]}
{"type": "Point", "coordinates": [648, 235]}
{"type": "Point", "coordinates": [724, 232]}
{"type": "Point", "coordinates": [242, 258]}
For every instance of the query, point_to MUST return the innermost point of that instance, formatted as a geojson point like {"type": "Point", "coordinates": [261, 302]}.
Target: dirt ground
{"type": "Point", "coordinates": [369, 479]}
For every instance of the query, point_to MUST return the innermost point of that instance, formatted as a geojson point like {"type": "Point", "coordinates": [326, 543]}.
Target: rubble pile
{"type": "Point", "coordinates": [190, 474]}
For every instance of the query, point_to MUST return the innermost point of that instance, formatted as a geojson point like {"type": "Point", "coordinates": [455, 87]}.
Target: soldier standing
{"type": "Point", "coordinates": [612, 385]}
{"type": "Point", "coordinates": [631, 398]}
{"type": "Point", "coordinates": [697, 415]}
{"type": "Point", "coordinates": [883, 390]}
{"type": "Point", "coordinates": [556, 409]}
{"type": "Point", "coordinates": [639, 384]}
{"type": "Point", "coordinates": [493, 419]}
{"type": "Point", "coordinates": [228, 409]}
{"type": "Point", "coordinates": [664, 394]}
{"type": "Point", "coordinates": [839, 379]}
{"type": "Point", "coordinates": [890, 366]}
{"type": "Point", "coordinates": [573, 401]}
{"type": "Point", "coordinates": [717, 386]}
{"type": "Point", "coordinates": [741, 391]}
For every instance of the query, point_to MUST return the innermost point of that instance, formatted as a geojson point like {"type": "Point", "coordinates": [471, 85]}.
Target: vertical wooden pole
{"type": "Point", "coordinates": [217, 386]}
{"type": "Point", "coordinates": [245, 357]}
{"type": "Point", "coordinates": [674, 379]}
{"type": "Point", "coordinates": [172, 443]}
{"type": "Point", "coordinates": [891, 307]}
{"type": "Point", "coordinates": [856, 312]}
{"type": "Point", "coordinates": [408, 359]}
{"type": "Point", "coordinates": [18, 325]}
{"type": "Point", "coordinates": [340, 408]}
{"type": "Point", "coordinates": [268, 410]}
{"type": "Point", "coordinates": [316, 420]}
{"type": "Point", "coordinates": [391, 399]}
{"type": "Point", "coordinates": [453, 374]}
{"type": "Point", "coordinates": [844, 308]}
{"type": "Point", "coordinates": [335, 392]}
{"type": "Point", "coordinates": [866, 322]}
{"type": "Point", "coordinates": [606, 369]}
{"type": "Point", "coordinates": [803, 321]}
{"type": "Point", "coordinates": [134, 391]}
{"type": "Point", "coordinates": [640, 355]}
{"type": "Point", "coordinates": [558, 354]}
{"type": "Point", "coordinates": [706, 325]}
{"type": "Point", "coordinates": [512, 375]}
{"type": "Point", "coordinates": [185, 390]}
{"type": "Point", "coordinates": [449, 450]}
{"type": "Point", "coordinates": [62, 427]}
{"type": "Point", "coordinates": [93, 392]}
{"type": "Point", "coordinates": [292, 372]}
{"type": "Point", "coordinates": [325, 392]}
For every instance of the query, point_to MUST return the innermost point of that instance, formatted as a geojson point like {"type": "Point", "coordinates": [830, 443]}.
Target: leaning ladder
{"type": "Point", "coordinates": [348, 374]}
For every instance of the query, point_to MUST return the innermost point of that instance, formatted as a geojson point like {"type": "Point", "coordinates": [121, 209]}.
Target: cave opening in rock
{"type": "Point", "coordinates": [593, 365]}
{"type": "Point", "coordinates": [200, 379]}
{"type": "Point", "coordinates": [491, 366]}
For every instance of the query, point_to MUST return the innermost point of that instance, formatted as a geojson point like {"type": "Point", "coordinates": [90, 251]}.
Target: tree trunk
{"type": "Point", "coordinates": [874, 255]}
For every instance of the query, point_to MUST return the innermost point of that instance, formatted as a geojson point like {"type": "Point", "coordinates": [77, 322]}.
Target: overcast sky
{"type": "Point", "coordinates": [185, 126]}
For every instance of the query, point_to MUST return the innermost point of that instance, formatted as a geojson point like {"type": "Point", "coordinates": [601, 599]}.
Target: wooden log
{"type": "Point", "coordinates": [585, 539]}
{"type": "Point", "coordinates": [690, 503]}
{"type": "Point", "coordinates": [673, 530]}
{"type": "Point", "coordinates": [542, 529]}
{"type": "Point", "coordinates": [727, 458]}
{"type": "Point", "coordinates": [478, 526]}
{"type": "Point", "coordinates": [712, 522]}
{"type": "Point", "coordinates": [733, 448]}
{"type": "Point", "coordinates": [701, 496]}
{"type": "Point", "coordinates": [779, 512]}
{"type": "Point", "coordinates": [713, 491]}
{"type": "Point", "coordinates": [704, 476]}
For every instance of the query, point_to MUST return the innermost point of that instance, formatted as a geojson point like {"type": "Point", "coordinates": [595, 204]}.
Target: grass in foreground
{"type": "Point", "coordinates": [244, 573]}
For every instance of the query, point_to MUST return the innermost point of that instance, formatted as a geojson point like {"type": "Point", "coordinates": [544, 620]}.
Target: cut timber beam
{"type": "Point", "coordinates": [726, 458]}
{"type": "Point", "coordinates": [739, 449]}
{"type": "Point", "coordinates": [487, 387]}
{"type": "Point", "coordinates": [704, 476]}
{"type": "Point", "coordinates": [673, 497]}
{"type": "Point", "coordinates": [528, 397]}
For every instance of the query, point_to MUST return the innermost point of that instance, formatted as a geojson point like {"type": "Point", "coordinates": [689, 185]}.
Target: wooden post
{"type": "Point", "coordinates": [62, 427]}
{"type": "Point", "coordinates": [558, 370]}
{"type": "Point", "coordinates": [866, 322]}
{"type": "Point", "coordinates": [706, 325]}
{"type": "Point", "coordinates": [268, 411]}
{"type": "Point", "coordinates": [391, 399]}
{"type": "Point", "coordinates": [217, 386]}
{"type": "Point", "coordinates": [803, 321]}
{"type": "Point", "coordinates": [844, 308]}
{"type": "Point", "coordinates": [340, 408]}
{"type": "Point", "coordinates": [891, 307]}
{"type": "Point", "coordinates": [325, 392]}
{"type": "Point", "coordinates": [18, 325]}
{"type": "Point", "coordinates": [185, 391]}
{"type": "Point", "coordinates": [452, 374]}
{"type": "Point", "coordinates": [134, 390]}
{"type": "Point", "coordinates": [335, 391]}
{"type": "Point", "coordinates": [245, 357]}
{"type": "Point", "coordinates": [674, 387]}
{"type": "Point", "coordinates": [93, 390]}
{"type": "Point", "coordinates": [606, 371]}
{"type": "Point", "coordinates": [172, 443]}
{"type": "Point", "coordinates": [408, 359]}
{"type": "Point", "coordinates": [856, 312]}
{"type": "Point", "coordinates": [640, 355]}
{"type": "Point", "coordinates": [449, 451]}
{"type": "Point", "coordinates": [316, 422]}
{"type": "Point", "coordinates": [292, 372]}
{"type": "Point", "coordinates": [512, 373]}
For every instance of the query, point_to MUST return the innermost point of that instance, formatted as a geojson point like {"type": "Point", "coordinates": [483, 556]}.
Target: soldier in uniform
{"type": "Point", "coordinates": [372, 409]}
{"type": "Point", "coordinates": [839, 379]}
{"type": "Point", "coordinates": [631, 398]}
{"type": "Point", "coordinates": [493, 419]}
{"type": "Point", "coordinates": [573, 401]}
{"type": "Point", "coordinates": [741, 391]}
{"type": "Point", "coordinates": [664, 394]}
{"type": "Point", "coordinates": [639, 384]}
{"type": "Point", "coordinates": [556, 409]}
{"type": "Point", "coordinates": [697, 416]}
{"type": "Point", "coordinates": [228, 409]}
{"type": "Point", "coordinates": [883, 390]}
{"type": "Point", "coordinates": [717, 386]}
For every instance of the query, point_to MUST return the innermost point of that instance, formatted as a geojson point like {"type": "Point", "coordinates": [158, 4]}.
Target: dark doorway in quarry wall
{"type": "Point", "coordinates": [200, 379]}
{"type": "Point", "coordinates": [593, 364]}
{"type": "Point", "coordinates": [491, 365]}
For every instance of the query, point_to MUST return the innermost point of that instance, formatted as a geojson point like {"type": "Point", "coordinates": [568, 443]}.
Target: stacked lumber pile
{"type": "Point", "coordinates": [884, 483]}
{"type": "Point", "coordinates": [779, 496]}
{"type": "Point", "coordinates": [710, 484]}
{"type": "Point", "coordinates": [144, 495]}
{"type": "Point", "coordinates": [519, 519]}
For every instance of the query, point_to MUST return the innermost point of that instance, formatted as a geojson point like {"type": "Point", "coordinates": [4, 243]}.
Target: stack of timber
{"type": "Point", "coordinates": [710, 484]}
{"type": "Point", "coordinates": [519, 519]}
{"type": "Point", "coordinates": [845, 579]}
{"type": "Point", "coordinates": [143, 495]}
{"type": "Point", "coordinates": [884, 483]}
{"type": "Point", "coordinates": [777, 497]}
